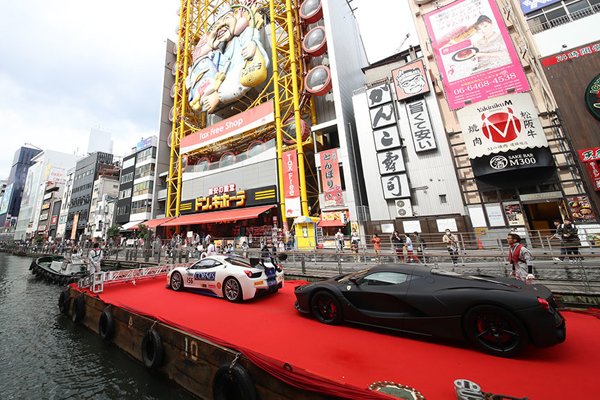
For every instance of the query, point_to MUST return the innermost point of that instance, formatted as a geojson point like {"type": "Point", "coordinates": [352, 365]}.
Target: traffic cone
{"type": "Point", "coordinates": [479, 244]}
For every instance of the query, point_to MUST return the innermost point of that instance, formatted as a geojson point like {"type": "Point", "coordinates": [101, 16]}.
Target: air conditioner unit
{"type": "Point", "coordinates": [403, 208]}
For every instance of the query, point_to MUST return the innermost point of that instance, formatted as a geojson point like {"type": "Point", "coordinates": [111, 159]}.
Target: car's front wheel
{"type": "Point", "coordinates": [232, 290]}
{"type": "Point", "coordinates": [176, 282]}
{"type": "Point", "coordinates": [495, 331]}
{"type": "Point", "coordinates": [326, 308]}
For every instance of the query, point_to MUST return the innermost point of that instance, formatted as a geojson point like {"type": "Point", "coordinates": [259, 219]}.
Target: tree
{"type": "Point", "coordinates": [143, 232]}
{"type": "Point", "coordinates": [113, 232]}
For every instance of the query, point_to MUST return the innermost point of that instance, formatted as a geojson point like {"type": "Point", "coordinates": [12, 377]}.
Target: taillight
{"type": "Point", "coordinates": [248, 272]}
{"type": "Point", "coordinates": [544, 303]}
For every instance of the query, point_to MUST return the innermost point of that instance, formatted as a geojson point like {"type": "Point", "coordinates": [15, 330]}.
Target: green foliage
{"type": "Point", "coordinates": [143, 232]}
{"type": "Point", "coordinates": [38, 239]}
{"type": "Point", "coordinates": [113, 232]}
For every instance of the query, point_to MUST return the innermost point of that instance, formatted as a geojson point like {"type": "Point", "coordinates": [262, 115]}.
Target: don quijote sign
{"type": "Point", "coordinates": [504, 133]}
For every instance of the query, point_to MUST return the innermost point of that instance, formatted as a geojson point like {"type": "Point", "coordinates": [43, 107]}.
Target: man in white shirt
{"type": "Point", "coordinates": [94, 259]}
{"type": "Point", "coordinates": [211, 250]}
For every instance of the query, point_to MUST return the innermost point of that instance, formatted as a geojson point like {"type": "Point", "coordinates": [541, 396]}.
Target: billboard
{"type": "Point", "coordinates": [229, 59]}
{"type": "Point", "coordinates": [474, 52]}
{"type": "Point", "coordinates": [532, 5]}
{"type": "Point", "coordinates": [331, 178]}
{"type": "Point", "coordinates": [504, 134]}
{"type": "Point", "coordinates": [5, 200]}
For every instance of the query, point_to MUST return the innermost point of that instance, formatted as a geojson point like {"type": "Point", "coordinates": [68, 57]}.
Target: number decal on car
{"type": "Point", "coordinates": [189, 280]}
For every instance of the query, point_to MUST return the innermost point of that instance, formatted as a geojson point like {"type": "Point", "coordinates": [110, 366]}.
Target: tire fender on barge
{"type": "Point", "coordinates": [152, 349]}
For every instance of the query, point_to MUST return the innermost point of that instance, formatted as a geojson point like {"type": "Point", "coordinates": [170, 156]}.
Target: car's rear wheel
{"type": "Point", "coordinates": [495, 331]}
{"type": "Point", "coordinates": [176, 281]}
{"type": "Point", "coordinates": [232, 290]}
{"type": "Point", "coordinates": [326, 308]}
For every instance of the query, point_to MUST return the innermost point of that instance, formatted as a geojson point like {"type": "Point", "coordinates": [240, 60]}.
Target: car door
{"type": "Point", "coordinates": [380, 298]}
{"type": "Point", "coordinates": [199, 273]}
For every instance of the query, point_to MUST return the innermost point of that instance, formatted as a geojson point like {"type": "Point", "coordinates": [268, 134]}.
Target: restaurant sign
{"type": "Point", "coordinates": [330, 177]}
{"type": "Point", "coordinates": [291, 184]}
{"type": "Point", "coordinates": [592, 97]}
{"type": "Point", "coordinates": [230, 200]}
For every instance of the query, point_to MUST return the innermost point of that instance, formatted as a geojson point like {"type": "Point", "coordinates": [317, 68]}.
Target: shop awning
{"type": "Point", "coordinates": [153, 223]}
{"type": "Point", "coordinates": [219, 216]}
{"type": "Point", "coordinates": [332, 222]}
{"type": "Point", "coordinates": [132, 225]}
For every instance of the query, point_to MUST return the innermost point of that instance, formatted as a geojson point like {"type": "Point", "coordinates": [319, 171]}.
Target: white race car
{"type": "Point", "coordinates": [233, 277]}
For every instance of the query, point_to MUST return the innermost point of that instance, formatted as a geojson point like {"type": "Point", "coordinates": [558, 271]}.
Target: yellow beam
{"type": "Point", "coordinates": [296, 102]}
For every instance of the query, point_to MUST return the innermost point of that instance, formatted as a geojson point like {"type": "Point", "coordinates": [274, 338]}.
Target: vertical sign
{"type": "Point", "coordinates": [420, 126]}
{"type": "Point", "coordinates": [330, 177]}
{"type": "Point", "coordinates": [291, 184]}
{"type": "Point", "coordinates": [74, 227]}
{"type": "Point", "coordinates": [474, 52]}
{"type": "Point", "coordinates": [395, 186]}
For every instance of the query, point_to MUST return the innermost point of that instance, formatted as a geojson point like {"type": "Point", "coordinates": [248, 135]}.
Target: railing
{"type": "Point", "coordinates": [573, 16]}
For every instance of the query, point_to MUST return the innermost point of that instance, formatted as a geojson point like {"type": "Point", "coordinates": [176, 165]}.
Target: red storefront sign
{"type": "Point", "coordinates": [330, 175]}
{"type": "Point", "coordinates": [588, 155]}
{"type": "Point", "coordinates": [291, 184]}
{"type": "Point", "coordinates": [571, 54]}
{"type": "Point", "coordinates": [594, 171]}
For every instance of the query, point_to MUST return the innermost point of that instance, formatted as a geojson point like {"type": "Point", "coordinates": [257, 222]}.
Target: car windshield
{"type": "Point", "coordinates": [239, 262]}
{"type": "Point", "coordinates": [354, 276]}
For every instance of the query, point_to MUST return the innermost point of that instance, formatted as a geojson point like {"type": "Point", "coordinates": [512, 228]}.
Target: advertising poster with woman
{"type": "Point", "coordinates": [474, 52]}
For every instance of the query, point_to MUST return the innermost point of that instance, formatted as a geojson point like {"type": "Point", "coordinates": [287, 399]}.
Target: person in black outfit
{"type": "Point", "coordinates": [568, 234]}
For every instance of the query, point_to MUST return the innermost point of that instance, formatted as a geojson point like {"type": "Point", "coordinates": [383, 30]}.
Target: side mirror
{"type": "Point", "coordinates": [356, 281]}
{"type": "Point", "coordinates": [254, 261]}
{"type": "Point", "coordinates": [282, 257]}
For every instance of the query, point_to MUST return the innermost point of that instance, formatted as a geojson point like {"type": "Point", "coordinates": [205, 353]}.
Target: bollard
{"type": "Point", "coordinates": [303, 264]}
{"type": "Point", "coordinates": [339, 261]}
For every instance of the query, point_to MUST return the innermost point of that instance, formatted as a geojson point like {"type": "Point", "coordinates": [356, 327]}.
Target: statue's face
{"type": "Point", "coordinates": [222, 31]}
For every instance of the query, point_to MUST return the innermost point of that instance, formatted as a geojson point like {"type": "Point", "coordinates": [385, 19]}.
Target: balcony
{"type": "Point", "coordinates": [536, 26]}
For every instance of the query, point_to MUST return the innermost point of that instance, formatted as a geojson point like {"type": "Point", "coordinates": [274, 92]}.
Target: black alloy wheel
{"type": "Point", "coordinates": [326, 308]}
{"type": "Point", "coordinates": [176, 282]}
{"type": "Point", "coordinates": [495, 331]}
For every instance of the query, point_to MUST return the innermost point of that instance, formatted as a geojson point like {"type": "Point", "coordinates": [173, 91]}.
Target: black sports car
{"type": "Point", "coordinates": [497, 315]}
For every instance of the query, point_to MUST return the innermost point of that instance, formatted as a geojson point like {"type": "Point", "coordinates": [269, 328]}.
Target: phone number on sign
{"type": "Point", "coordinates": [483, 84]}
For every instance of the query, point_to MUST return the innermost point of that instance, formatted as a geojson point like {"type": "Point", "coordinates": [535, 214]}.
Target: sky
{"type": "Point", "coordinates": [68, 66]}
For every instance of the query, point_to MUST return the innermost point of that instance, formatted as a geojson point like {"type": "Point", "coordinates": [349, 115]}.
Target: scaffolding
{"type": "Point", "coordinates": [285, 87]}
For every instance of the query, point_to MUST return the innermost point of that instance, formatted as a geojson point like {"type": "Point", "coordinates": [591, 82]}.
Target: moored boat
{"type": "Point", "coordinates": [58, 269]}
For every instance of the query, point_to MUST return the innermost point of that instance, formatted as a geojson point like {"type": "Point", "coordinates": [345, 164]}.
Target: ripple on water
{"type": "Point", "coordinates": [43, 355]}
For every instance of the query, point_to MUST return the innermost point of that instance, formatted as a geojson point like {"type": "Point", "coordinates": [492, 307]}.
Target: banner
{"type": "Point", "coordinates": [291, 184]}
{"type": "Point", "coordinates": [233, 126]}
{"type": "Point", "coordinates": [410, 80]}
{"type": "Point", "coordinates": [594, 172]}
{"type": "Point", "coordinates": [571, 54]}
{"type": "Point", "coordinates": [474, 52]}
{"type": "Point", "coordinates": [74, 227]}
{"type": "Point", "coordinates": [330, 176]}
{"type": "Point", "coordinates": [531, 5]}
{"type": "Point", "coordinates": [588, 155]}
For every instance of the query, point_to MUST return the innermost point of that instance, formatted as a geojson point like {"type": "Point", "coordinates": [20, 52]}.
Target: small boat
{"type": "Point", "coordinates": [58, 269]}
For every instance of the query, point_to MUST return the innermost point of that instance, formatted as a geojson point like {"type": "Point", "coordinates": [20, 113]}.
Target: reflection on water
{"type": "Point", "coordinates": [43, 355]}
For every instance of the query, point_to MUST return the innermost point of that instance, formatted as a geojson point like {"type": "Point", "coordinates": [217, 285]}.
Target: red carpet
{"type": "Point", "coordinates": [270, 332]}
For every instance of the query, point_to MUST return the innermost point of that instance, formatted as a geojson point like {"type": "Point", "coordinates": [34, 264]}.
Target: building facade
{"type": "Point", "coordinates": [412, 185]}
{"type": "Point", "coordinates": [136, 185]}
{"type": "Point", "coordinates": [566, 34]}
{"type": "Point", "coordinates": [49, 167]}
{"type": "Point", "coordinates": [64, 206]}
{"type": "Point", "coordinates": [514, 164]}
{"type": "Point", "coordinates": [104, 197]}
{"type": "Point", "coordinates": [86, 172]}
{"type": "Point", "coordinates": [11, 203]}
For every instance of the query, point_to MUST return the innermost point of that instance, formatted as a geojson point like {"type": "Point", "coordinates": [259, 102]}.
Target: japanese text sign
{"type": "Point", "coordinates": [387, 138]}
{"type": "Point", "coordinates": [291, 185]}
{"type": "Point", "coordinates": [330, 171]}
{"type": "Point", "coordinates": [420, 126]}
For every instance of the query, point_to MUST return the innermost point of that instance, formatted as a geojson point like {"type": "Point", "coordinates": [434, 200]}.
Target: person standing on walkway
{"type": "Point", "coordinates": [157, 248]}
{"type": "Point", "coordinates": [451, 242]}
{"type": "Point", "coordinates": [210, 249]}
{"type": "Point", "coordinates": [570, 238]}
{"type": "Point", "coordinates": [94, 259]}
{"type": "Point", "coordinates": [410, 251]}
{"type": "Point", "coordinates": [339, 241]}
{"type": "Point", "coordinates": [398, 245]}
{"type": "Point", "coordinates": [420, 244]}
{"type": "Point", "coordinates": [376, 241]}
{"type": "Point", "coordinates": [563, 250]}
{"type": "Point", "coordinates": [520, 258]}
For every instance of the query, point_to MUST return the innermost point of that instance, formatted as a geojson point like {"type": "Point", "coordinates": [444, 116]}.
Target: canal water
{"type": "Point", "coordinates": [43, 355]}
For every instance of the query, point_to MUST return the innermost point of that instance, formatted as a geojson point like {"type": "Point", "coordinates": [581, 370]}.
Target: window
{"type": "Point", "coordinates": [206, 263]}
{"type": "Point", "coordinates": [384, 278]}
{"type": "Point", "coordinates": [145, 154]}
{"type": "Point", "coordinates": [127, 177]}
{"type": "Point", "coordinates": [141, 206]}
{"type": "Point", "coordinates": [123, 194]}
{"type": "Point", "coordinates": [146, 170]}
{"type": "Point", "coordinates": [143, 188]}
